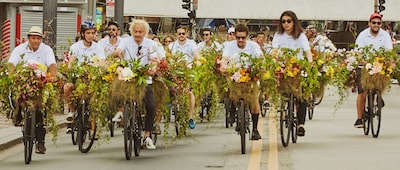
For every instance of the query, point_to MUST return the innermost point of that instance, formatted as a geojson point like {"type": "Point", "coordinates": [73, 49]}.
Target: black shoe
{"type": "Point", "coordinates": [255, 135]}
{"type": "Point", "coordinates": [359, 123]}
{"type": "Point", "coordinates": [237, 128]}
{"type": "Point", "coordinates": [40, 148]}
{"type": "Point", "coordinates": [301, 131]}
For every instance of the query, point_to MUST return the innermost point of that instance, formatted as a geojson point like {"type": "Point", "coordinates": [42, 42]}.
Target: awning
{"type": "Point", "coordinates": [348, 10]}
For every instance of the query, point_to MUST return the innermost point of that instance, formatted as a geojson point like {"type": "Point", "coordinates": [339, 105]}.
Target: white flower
{"type": "Point", "coordinates": [236, 76]}
{"type": "Point", "coordinates": [368, 66]}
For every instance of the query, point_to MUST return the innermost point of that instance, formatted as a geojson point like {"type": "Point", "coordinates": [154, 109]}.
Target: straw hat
{"type": "Point", "coordinates": [35, 30]}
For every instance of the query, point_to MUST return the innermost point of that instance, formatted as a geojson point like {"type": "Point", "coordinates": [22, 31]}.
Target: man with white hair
{"type": "Point", "coordinates": [138, 46]}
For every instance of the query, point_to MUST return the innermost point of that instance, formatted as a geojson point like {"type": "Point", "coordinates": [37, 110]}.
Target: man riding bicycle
{"type": "Point", "coordinates": [34, 49]}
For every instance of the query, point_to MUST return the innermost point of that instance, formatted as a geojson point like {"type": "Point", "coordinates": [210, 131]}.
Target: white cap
{"type": "Point", "coordinates": [35, 30]}
{"type": "Point", "coordinates": [231, 30]}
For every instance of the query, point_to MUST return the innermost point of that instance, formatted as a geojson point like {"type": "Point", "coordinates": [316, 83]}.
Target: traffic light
{"type": "Point", "coordinates": [381, 7]}
{"type": "Point", "coordinates": [186, 4]}
{"type": "Point", "coordinates": [192, 14]}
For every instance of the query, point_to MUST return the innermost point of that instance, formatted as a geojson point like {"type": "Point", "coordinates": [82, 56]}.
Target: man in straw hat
{"type": "Point", "coordinates": [34, 49]}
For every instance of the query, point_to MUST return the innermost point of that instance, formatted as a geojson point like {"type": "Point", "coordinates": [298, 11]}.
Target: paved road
{"type": "Point", "coordinates": [331, 142]}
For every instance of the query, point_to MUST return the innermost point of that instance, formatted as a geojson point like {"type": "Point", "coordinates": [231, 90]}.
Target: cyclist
{"type": "Point", "coordinates": [208, 42]}
{"type": "Point", "coordinates": [189, 48]}
{"type": "Point", "coordinates": [111, 42]}
{"type": "Point", "coordinates": [252, 48]}
{"type": "Point", "coordinates": [135, 47]}
{"type": "Point", "coordinates": [34, 49]}
{"type": "Point", "coordinates": [290, 35]}
{"type": "Point", "coordinates": [376, 36]}
{"type": "Point", "coordinates": [86, 47]}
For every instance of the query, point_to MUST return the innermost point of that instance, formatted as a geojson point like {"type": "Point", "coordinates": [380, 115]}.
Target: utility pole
{"type": "Point", "coordinates": [91, 10]}
{"type": "Point", "coordinates": [50, 23]}
{"type": "Point", "coordinates": [119, 14]}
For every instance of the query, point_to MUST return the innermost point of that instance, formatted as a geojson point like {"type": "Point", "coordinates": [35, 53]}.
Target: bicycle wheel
{"type": "Point", "coordinates": [293, 118]}
{"type": "Point", "coordinates": [137, 129]}
{"type": "Point", "coordinates": [366, 121]}
{"type": "Point", "coordinates": [176, 119]}
{"type": "Point", "coordinates": [227, 112]}
{"type": "Point", "coordinates": [128, 135]}
{"type": "Point", "coordinates": [310, 107]}
{"type": "Point", "coordinates": [85, 135]}
{"type": "Point", "coordinates": [111, 124]}
{"type": "Point", "coordinates": [74, 133]}
{"type": "Point", "coordinates": [285, 124]}
{"type": "Point", "coordinates": [375, 115]}
{"type": "Point", "coordinates": [318, 100]}
{"type": "Point", "coordinates": [28, 135]}
{"type": "Point", "coordinates": [242, 125]}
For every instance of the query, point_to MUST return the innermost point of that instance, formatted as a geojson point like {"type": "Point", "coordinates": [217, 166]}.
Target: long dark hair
{"type": "Point", "coordinates": [297, 30]}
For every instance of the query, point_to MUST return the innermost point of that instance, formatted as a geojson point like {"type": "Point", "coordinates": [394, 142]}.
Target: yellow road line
{"type": "Point", "coordinates": [273, 141]}
{"type": "Point", "coordinates": [256, 151]}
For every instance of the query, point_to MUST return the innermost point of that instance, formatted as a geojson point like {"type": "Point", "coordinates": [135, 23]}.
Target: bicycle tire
{"type": "Point", "coordinates": [318, 100]}
{"type": "Point", "coordinates": [128, 136]}
{"type": "Point", "coordinates": [284, 123]}
{"type": "Point", "coordinates": [111, 125]}
{"type": "Point", "coordinates": [86, 138]}
{"type": "Point", "coordinates": [375, 114]}
{"type": "Point", "coordinates": [310, 107]}
{"type": "Point", "coordinates": [242, 125]}
{"type": "Point", "coordinates": [227, 112]}
{"type": "Point", "coordinates": [74, 133]}
{"type": "Point", "coordinates": [366, 122]}
{"type": "Point", "coordinates": [176, 119]}
{"type": "Point", "coordinates": [137, 129]}
{"type": "Point", "coordinates": [293, 118]}
{"type": "Point", "coordinates": [29, 135]}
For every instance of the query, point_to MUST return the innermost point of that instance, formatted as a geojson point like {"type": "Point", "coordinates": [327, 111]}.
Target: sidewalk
{"type": "Point", "coordinates": [10, 135]}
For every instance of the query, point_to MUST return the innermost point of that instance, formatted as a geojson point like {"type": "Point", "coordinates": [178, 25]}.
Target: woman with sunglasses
{"type": "Point", "coordinates": [290, 35]}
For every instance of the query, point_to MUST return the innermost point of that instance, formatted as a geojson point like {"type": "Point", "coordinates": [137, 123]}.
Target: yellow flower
{"type": "Point", "coordinates": [292, 60]}
{"type": "Point", "coordinates": [267, 75]}
{"type": "Point", "coordinates": [108, 77]}
{"type": "Point", "coordinates": [320, 62]}
{"type": "Point", "coordinates": [202, 60]}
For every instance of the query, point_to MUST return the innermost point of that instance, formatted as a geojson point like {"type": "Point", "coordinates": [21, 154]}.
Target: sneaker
{"type": "Point", "coordinates": [117, 117]}
{"type": "Point", "coordinates": [149, 143]}
{"type": "Point", "coordinates": [359, 123]}
{"type": "Point", "coordinates": [69, 130]}
{"type": "Point", "coordinates": [70, 117]}
{"type": "Point", "coordinates": [255, 135]}
{"type": "Point", "coordinates": [192, 125]}
{"type": "Point", "coordinates": [301, 131]}
{"type": "Point", "coordinates": [40, 148]}
{"type": "Point", "coordinates": [157, 129]}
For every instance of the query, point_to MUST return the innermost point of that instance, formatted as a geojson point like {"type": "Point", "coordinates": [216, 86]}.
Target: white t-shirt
{"type": "Point", "coordinates": [214, 45]}
{"type": "Point", "coordinates": [251, 48]}
{"type": "Point", "coordinates": [44, 55]}
{"type": "Point", "coordinates": [147, 51]}
{"type": "Point", "coordinates": [109, 48]}
{"type": "Point", "coordinates": [287, 41]}
{"type": "Point", "coordinates": [382, 40]}
{"type": "Point", "coordinates": [79, 51]}
{"type": "Point", "coordinates": [187, 49]}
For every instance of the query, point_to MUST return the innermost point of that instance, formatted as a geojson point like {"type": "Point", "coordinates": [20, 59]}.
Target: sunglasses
{"type": "Point", "coordinates": [112, 29]}
{"type": "Point", "coordinates": [239, 37]}
{"type": "Point", "coordinates": [168, 41]}
{"type": "Point", "coordinates": [286, 21]}
{"type": "Point", "coordinates": [376, 23]}
{"type": "Point", "coordinates": [206, 34]}
{"type": "Point", "coordinates": [181, 33]}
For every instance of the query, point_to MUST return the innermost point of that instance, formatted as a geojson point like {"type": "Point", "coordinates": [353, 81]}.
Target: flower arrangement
{"type": "Point", "coordinates": [243, 71]}
{"type": "Point", "coordinates": [5, 85]}
{"type": "Point", "coordinates": [30, 87]}
{"type": "Point", "coordinates": [378, 67]}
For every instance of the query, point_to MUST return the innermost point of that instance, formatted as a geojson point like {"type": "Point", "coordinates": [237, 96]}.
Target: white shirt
{"type": "Point", "coordinates": [148, 50]}
{"type": "Point", "coordinates": [251, 48]}
{"type": "Point", "coordinates": [287, 41]}
{"type": "Point", "coordinates": [214, 45]}
{"type": "Point", "coordinates": [383, 39]}
{"type": "Point", "coordinates": [187, 49]}
{"type": "Point", "coordinates": [80, 51]}
{"type": "Point", "coordinates": [44, 54]}
{"type": "Point", "coordinates": [107, 46]}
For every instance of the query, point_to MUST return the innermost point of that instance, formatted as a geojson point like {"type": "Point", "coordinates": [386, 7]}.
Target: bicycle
{"type": "Point", "coordinates": [86, 127]}
{"type": "Point", "coordinates": [373, 113]}
{"type": "Point", "coordinates": [229, 112]}
{"type": "Point", "coordinates": [205, 106]}
{"type": "Point", "coordinates": [312, 102]}
{"type": "Point", "coordinates": [243, 121]}
{"type": "Point", "coordinates": [288, 120]}
{"type": "Point", "coordinates": [132, 132]}
{"type": "Point", "coordinates": [28, 133]}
